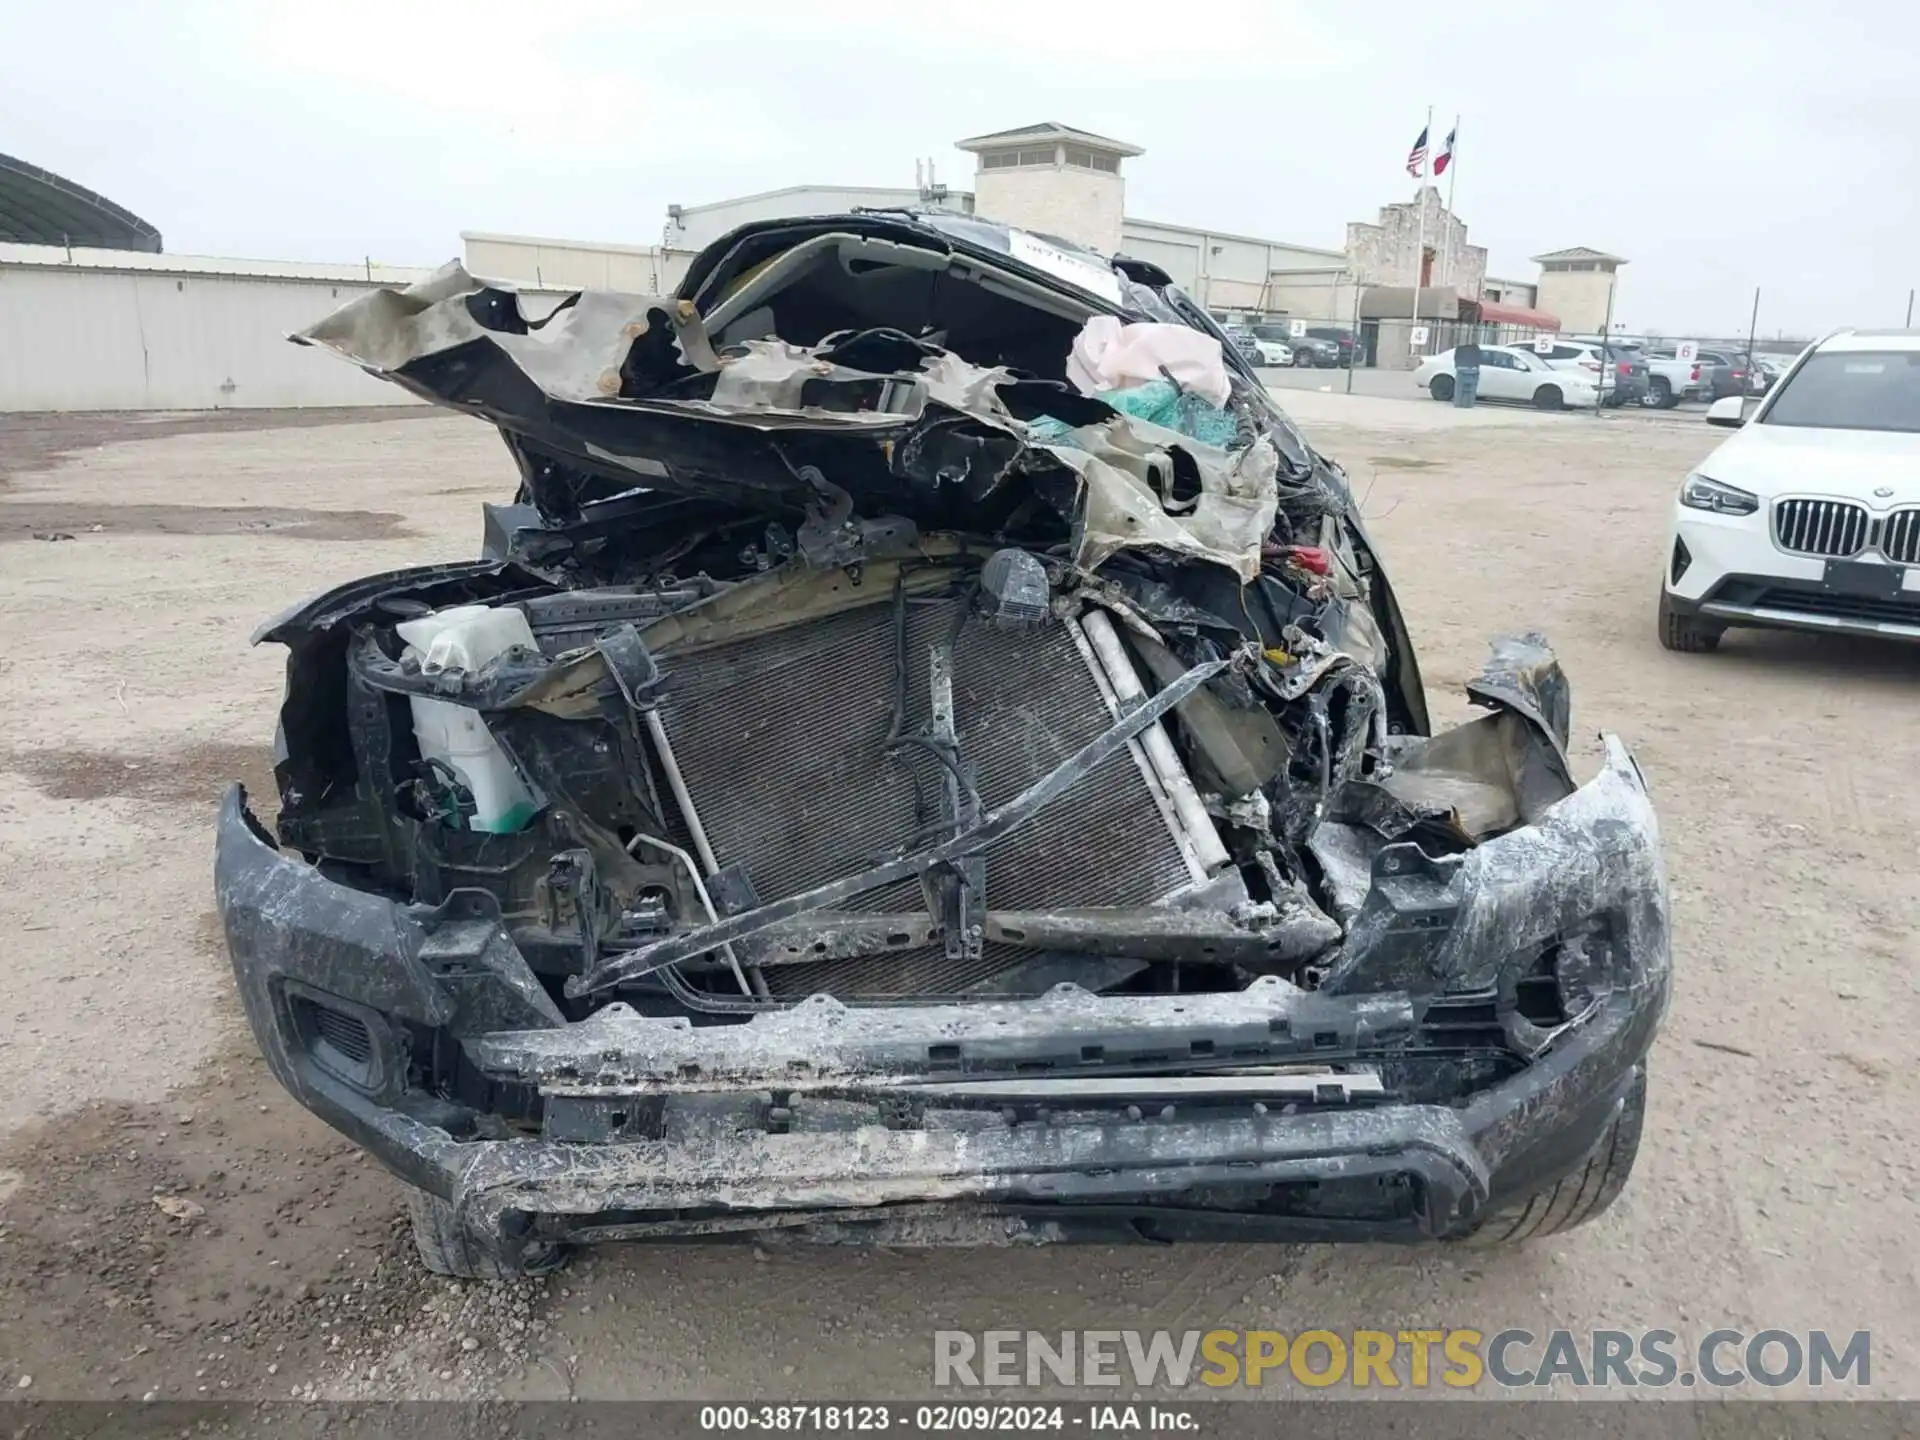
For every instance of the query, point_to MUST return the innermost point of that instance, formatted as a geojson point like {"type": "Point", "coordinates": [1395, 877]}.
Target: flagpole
{"type": "Point", "coordinates": [1420, 234]}
{"type": "Point", "coordinates": [1453, 174]}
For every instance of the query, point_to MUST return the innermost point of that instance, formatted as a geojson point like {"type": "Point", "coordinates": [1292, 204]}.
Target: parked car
{"type": "Point", "coordinates": [1343, 339]}
{"type": "Point", "coordinates": [1717, 370]}
{"type": "Point", "coordinates": [1510, 373]}
{"type": "Point", "coordinates": [782, 824]}
{"type": "Point", "coordinates": [1624, 360]}
{"type": "Point", "coordinates": [1273, 345]}
{"type": "Point", "coordinates": [1242, 340]}
{"type": "Point", "coordinates": [1673, 380]}
{"type": "Point", "coordinates": [1730, 371]}
{"type": "Point", "coordinates": [1316, 351]}
{"type": "Point", "coordinates": [1809, 517]}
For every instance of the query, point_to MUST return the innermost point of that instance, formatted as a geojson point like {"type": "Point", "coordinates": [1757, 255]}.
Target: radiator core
{"type": "Point", "coordinates": [780, 738]}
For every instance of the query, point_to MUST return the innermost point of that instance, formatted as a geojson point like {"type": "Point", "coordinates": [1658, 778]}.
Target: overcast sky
{"type": "Point", "coordinates": [1717, 147]}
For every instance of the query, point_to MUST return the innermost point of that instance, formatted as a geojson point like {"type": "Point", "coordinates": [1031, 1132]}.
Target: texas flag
{"type": "Point", "coordinates": [1445, 157]}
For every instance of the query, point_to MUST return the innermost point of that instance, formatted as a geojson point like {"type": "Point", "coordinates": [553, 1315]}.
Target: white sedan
{"type": "Point", "coordinates": [1508, 372]}
{"type": "Point", "coordinates": [1273, 353]}
{"type": "Point", "coordinates": [1809, 517]}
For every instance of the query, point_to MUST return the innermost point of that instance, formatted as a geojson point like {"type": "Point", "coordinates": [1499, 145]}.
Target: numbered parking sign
{"type": "Point", "coordinates": [1543, 344]}
{"type": "Point", "coordinates": [1687, 351]}
{"type": "Point", "coordinates": [1297, 329]}
{"type": "Point", "coordinates": [1419, 336]}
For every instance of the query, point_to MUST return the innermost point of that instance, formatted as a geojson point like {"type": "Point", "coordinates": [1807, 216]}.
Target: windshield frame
{"type": "Point", "coordinates": [1826, 360]}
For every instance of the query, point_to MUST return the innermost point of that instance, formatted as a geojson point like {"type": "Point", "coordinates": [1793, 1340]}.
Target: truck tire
{"type": "Point", "coordinates": [448, 1247]}
{"type": "Point", "coordinates": [1441, 388]}
{"type": "Point", "coordinates": [1548, 397]}
{"type": "Point", "coordinates": [1686, 633]}
{"type": "Point", "coordinates": [1659, 395]}
{"type": "Point", "coordinates": [1579, 1196]}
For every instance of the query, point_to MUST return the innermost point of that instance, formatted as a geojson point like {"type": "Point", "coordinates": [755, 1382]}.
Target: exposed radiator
{"type": "Point", "coordinates": [780, 738]}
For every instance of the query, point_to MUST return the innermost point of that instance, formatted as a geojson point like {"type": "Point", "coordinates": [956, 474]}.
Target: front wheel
{"type": "Point", "coordinates": [1441, 387]}
{"type": "Point", "coordinates": [1548, 397]}
{"type": "Point", "coordinates": [449, 1247]}
{"type": "Point", "coordinates": [1687, 634]}
{"type": "Point", "coordinates": [1578, 1197]}
{"type": "Point", "coordinates": [1659, 396]}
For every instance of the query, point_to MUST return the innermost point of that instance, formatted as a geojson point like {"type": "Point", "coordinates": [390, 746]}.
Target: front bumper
{"type": "Point", "coordinates": [1730, 572]}
{"type": "Point", "coordinates": [1769, 602]}
{"type": "Point", "coordinates": [866, 1124]}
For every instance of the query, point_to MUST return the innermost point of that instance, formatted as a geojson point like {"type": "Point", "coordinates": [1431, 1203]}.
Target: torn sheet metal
{"type": "Point", "coordinates": [1474, 781]}
{"type": "Point", "coordinates": [1524, 678]}
{"type": "Point", "coordinates": [631, 383]}
{"type": "Point", "coordinates": [1131, 474]}
{"type": "Point", "coordinates": [1504, 769]}
{"type": "Point", "coordinates": [1449, 793]}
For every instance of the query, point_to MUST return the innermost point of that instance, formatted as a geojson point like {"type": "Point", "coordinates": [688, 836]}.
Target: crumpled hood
{"type": "Point", "coordinates": [631, 387]}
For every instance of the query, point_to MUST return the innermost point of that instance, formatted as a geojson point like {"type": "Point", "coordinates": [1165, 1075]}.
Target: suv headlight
{"type": "Point", "coordinates": [1701, 493]}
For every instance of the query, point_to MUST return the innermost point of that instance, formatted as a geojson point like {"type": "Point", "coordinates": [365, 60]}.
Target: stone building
{"type": "Point", "coordinates": [1578, 286]}
{"type": "Point", "coordinates": [1422, 237]}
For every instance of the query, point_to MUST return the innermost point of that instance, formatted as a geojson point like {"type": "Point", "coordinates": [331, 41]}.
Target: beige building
{"type": "Point", "coordinates": [1523, 293]}
{"type": "Point", "coordinates": [1578, 286]}
{"type": "Point", "coordinates": [1053, 179]}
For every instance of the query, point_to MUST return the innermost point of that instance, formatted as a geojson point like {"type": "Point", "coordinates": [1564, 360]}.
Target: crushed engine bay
{"type": "Point", "coordinates": [930, 755]}
{"type": "Point", "coordinates": [846, 638]}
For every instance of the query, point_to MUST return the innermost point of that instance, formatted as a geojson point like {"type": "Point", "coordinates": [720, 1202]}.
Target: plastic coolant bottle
{"type": "Point", "coordinates": [462, 640]}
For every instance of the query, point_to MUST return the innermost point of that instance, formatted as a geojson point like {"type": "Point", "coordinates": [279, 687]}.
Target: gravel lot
{"type": "Point", "coordinates": [1776, 1184]}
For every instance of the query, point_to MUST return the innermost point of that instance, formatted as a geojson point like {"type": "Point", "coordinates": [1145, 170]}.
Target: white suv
{"type": "Point", "coordinates": [1809, 518]}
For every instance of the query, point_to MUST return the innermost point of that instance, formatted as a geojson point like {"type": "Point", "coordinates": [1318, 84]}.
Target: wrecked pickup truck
{"type": "Point", "coordinates": [930, 755]}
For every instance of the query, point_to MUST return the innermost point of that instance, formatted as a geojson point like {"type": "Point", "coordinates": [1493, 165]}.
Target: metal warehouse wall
{"type": "Point", "coordinates": [575, 264]}
{"type": "Point", "coordinates": [700, 225]}
{"type": "Point", "coordinates": [90, 339]}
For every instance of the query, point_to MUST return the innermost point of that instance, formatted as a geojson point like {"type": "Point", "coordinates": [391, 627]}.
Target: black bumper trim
{"type": "Point", "coordinates": [1512, 1139]}
{"type": "Point", "coordinates": [1772, 602]}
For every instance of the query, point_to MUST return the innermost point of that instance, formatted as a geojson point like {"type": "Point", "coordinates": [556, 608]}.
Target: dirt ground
{"type": "Point", "coordinates": [172, 1226]}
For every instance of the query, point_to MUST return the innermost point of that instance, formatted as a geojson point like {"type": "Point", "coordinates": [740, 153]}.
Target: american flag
{"type": "Point", "coordinates": [1417, 157]}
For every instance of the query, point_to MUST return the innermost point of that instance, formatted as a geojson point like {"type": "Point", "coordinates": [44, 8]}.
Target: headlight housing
{"type": "Point", "coordinates": [1700, 492]}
